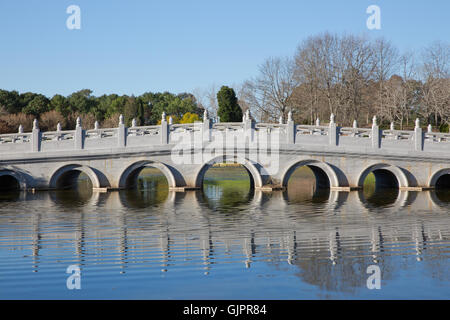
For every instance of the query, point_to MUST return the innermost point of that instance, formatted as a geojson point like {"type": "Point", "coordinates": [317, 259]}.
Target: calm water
{"type": "Point", "coordinates": [225, 242]}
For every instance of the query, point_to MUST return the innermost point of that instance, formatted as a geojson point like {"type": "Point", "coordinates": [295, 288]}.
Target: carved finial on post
{"type": "Point", "coordinates": [374, 121]}
{"type": "Point", "coordinates": [290, 115]}
{"type": "Point", "coordinates": [58, 127]}
{"type": "Point", "coordinates": [35, 137]}
{"type": "Point", "coordinates": [133, 123]}
{"type": "Point", "coordinates": [121, 119]}
{"type": "Point", "coordinates": [170, 120]}
{"type": "Point", "coordinates": [78, 122]}
{"type": "Point", "coordinates": [332, 118]}
{"type": "Point", "coordinates": [430, 128]}
{"type": "Point", "coordinates": [317, 122]}
{"type": "Point", "coordinates": [355, 124]}
{"type": "Point", "coordinates": [247, 114]}
{"type": "Point", "coordinates": [163, 117]}
{"type": "Point", "coordinates": [20, 129]}
{"type": "Point", "coordinates": [205, 115]}
{"type": "Point", "coordinates": [96, 125]}
{"type": "Point", "coordinates": [392, 126]}
{"type": "Point", "coordinates": [281, 120]}
{"type": "Point", "coordinates": [418, 136]}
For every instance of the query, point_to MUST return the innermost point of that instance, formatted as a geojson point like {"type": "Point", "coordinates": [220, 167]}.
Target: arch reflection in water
{"type": "Point", "coordinates": [380, 189]}
{"type": "Point", "coordinates": [226, 187]}
{"type": "Point", "coordinates": [328, 250]}
{"type": "Point", "coordinates": [77, 191]}
{"type": "Point", "coordinates": [151, 188]}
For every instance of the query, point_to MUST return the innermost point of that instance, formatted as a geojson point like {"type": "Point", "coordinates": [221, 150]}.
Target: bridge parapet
{"type": "Point", "coordinates": [15, 138]}
{"type": "Point", "coordinates": [252, 134]}
{"type": "Point", "coordinates": [437, 137]}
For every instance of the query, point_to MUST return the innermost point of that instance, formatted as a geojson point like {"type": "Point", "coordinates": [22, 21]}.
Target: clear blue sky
{"type": "Point", "coordinates": [129, 47]}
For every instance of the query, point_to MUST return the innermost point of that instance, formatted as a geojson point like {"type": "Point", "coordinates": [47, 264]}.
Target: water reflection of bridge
{"type": "Point", "coordinates": [347, 228]}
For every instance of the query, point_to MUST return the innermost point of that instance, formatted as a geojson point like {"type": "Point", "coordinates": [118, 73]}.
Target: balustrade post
{"type": "Point", "coordinates": [290, 129]}
{"type": "Point", "coordinates": [418, 137]}
{"type": "Point", "coordinates": [206, 129]}
{"type": "Point", "coordinates": [354, 128]}
{"type": "Point", "coordinates": [332, 132]}
{"type": "Point", "coordinates": [376, 141]}
{"type": "Point", "coordinates": [164, 129]}
{"type": "Point", "coordinates": [79, 135]}
{"type": "Point", "coordinates": [248, 126]}
{"type": "Point", "coordinates": [36, 137]}
{"type": "Point", "coordinates": [122, 133]}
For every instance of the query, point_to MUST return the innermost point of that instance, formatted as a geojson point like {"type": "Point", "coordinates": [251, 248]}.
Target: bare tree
{"type": "Point", "coordinates": [354, 78]}
{"type": "Point", "coordinates": [200, 97]}
{"type": "Point", "coordinates": [334, 72]}
{"type": "Point", "coordinates": [386, 61]}
{"type": "Point", "coordinates": [308, 95]}
{"type": "Point", "coordinates": [269, 95]}
{"type": "Point", "coordinates": [211, 97]}
{"type": "Point", "coordinates": [435, 89]}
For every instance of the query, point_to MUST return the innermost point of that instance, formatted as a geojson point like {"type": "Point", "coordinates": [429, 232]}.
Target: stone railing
{"type": "Point", "coordinates": [330, 135]}
{"type": "Point", "coordinates": [15, 138]}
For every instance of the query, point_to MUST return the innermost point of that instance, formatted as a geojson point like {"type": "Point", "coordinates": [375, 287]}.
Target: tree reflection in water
{"type": "Point", "coordinates": [226, 189]}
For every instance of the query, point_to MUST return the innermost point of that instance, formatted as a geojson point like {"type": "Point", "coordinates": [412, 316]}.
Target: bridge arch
{"type": "Point", "coordinates": [433, 182]}
{"type": "Point", "coordinates": [66, 173]}
{"type": "Point", "coordinates": [255, 176]}
{"type": "Point", "coordinates": [129, 176]}
{"type": "Point", "coordinates": [384, 172]}
{"type": "Point", "coordinates": [323, 172]}
{"type": "Point", "coordinates": [12, 180]}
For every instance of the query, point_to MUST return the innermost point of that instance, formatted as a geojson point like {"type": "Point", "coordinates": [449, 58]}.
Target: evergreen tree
{"type": "Point", "coordinates": [229, 109]}
{"type": "Point", "coordinates": [37, 106]}
{"type": "Point", "coordinates": [130, 110]}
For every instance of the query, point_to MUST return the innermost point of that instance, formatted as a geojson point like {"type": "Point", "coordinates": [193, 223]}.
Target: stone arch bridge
{"type": "Point", "coordinates": [112, 158]}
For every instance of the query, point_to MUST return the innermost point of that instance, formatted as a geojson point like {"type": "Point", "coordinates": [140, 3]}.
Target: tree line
{"type": "Point", "coordinates": [22, 108]}
{"type": "Point", "coordinates": [354, 78]}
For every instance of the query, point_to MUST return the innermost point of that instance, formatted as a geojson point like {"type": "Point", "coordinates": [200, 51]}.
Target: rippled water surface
{"type": "Point", "coordinates": [225, 242]}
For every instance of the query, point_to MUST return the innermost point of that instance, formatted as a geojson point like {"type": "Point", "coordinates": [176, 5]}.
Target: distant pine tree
{"type": "Point", "coordinates": [229, 109]}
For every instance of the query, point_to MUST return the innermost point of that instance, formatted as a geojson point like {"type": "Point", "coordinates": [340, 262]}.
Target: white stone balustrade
{"type": "Point", "coordinates": [169, 133]}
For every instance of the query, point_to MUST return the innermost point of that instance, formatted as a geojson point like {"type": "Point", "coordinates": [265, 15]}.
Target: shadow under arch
{"type": "Point", "coordinates": [252, 170]}
{"type": "Point", "coordinates": [383, 176]}
{"type": "Point", "coordinates": [436, 179]}
{"type": "Point", "coordinates": [12, 180]}
{"type": "Point", "coordinates": [129, 176]}
{"type": "Point", "coordinates": [63, 177]}
{"type": "Point", "coordinates": [324, 173]}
